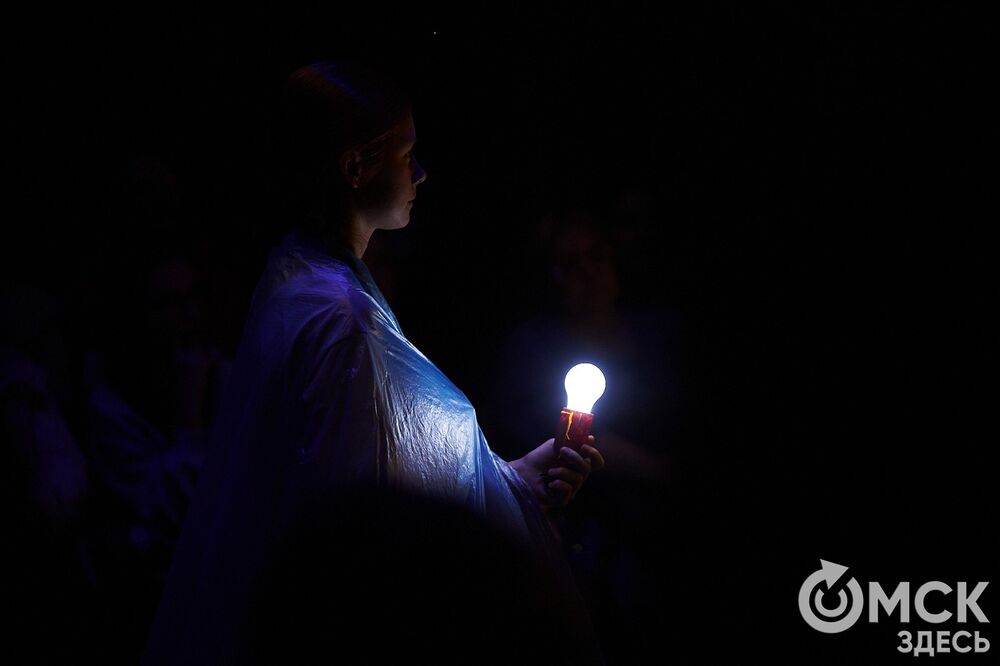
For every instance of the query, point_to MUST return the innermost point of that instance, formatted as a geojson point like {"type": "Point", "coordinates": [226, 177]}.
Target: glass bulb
{"type": "Point", "coordinates": [584, 385]}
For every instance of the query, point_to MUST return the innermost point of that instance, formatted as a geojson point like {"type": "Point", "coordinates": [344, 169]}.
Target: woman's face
{"type": "Point", "coordinates": [386, 198]}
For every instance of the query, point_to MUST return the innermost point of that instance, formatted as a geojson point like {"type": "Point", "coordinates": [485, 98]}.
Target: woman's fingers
{"type": "Point", "coordinates": [560, 492]}
{"type": "Point", "coordinates": [563, 482]}
{"type": "Point", "coordinates": [570, 458]}
{"type": "Point", "coordinates": [596, 459]}
{"type": "Point", "coordinates": [570, 476]}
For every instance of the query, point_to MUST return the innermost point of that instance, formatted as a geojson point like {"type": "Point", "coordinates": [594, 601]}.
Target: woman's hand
{"type": "Point", "coordinates": [556, 477]}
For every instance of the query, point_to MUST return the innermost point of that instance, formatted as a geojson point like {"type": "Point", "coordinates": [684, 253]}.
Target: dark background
{"type": "Point", "coordinates": [812, 185]}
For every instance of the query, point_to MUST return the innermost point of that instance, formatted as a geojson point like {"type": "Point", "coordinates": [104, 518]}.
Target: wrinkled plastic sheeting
{"type": "Point", "coordinates": [326, 393]}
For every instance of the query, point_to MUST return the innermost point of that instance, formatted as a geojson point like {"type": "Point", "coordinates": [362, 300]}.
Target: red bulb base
{"type": "Point", "coordinates": [574, 428]}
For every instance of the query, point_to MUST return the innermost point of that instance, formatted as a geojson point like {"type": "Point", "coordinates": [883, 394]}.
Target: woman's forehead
{"type": "Point", "coordinates": [405, 130]}
{"type": "Point", "coordinates": [402, 133]}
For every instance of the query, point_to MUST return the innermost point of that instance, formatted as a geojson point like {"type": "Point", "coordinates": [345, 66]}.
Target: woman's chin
{"type": "Point", "coordinates": [394, 223]}
{"type": "Point", "coordinates": [403, 220]}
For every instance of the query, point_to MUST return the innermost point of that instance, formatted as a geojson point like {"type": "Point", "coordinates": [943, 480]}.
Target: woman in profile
{"type": "Point", "coordinates": [330, 411]}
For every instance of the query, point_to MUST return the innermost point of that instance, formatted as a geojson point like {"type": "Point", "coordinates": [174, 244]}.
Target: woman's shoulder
{"type": "Point", "coordinates": [300, 283]}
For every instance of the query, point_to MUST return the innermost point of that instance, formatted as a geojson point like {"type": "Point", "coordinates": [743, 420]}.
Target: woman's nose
{"type": "Point", "coordinates": [419, 175]}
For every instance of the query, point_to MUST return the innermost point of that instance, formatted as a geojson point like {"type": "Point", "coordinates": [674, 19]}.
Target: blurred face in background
{"type": "Point", "coordinates": [585, 271]}
{"type": "Point", "coordinates": [175, 308]}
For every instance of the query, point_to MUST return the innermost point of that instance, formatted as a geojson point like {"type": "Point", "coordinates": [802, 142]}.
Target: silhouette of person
{"type": "Point", "coordinates": [329, 397]}
{"type": "Point", "coordinates": [147, 372]}
{"type": "Point", "coordinates": [608, 535]}
{"type": "Point", "coordinates": [53, 611]}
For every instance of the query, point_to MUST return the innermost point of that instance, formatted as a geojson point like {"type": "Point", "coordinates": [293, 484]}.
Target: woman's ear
{"type": "Point", "coordinates": [352, 168]}
{"type": "Point", "coordinates": [359, 165]}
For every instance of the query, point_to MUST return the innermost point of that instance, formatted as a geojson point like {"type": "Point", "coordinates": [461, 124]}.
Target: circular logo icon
{"type": "Point", "coordinates": [815, 587]}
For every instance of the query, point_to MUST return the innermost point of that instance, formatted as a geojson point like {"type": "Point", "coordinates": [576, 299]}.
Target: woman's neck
{"type": "Point", "coordinates": [357, 235]}
{"type": "Point", "coordinates": [352, 235]}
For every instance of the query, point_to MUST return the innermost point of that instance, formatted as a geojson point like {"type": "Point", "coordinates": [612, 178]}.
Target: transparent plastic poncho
{"type": "Point", "coordinates": [326, 392]}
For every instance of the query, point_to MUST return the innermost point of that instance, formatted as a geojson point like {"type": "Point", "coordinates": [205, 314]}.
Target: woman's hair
{"type": "Point", "coordinates": [327, 108]}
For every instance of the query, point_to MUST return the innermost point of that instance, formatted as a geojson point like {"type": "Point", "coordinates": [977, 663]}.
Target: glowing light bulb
{"type": "Point", "coordinates": [585, 384]}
